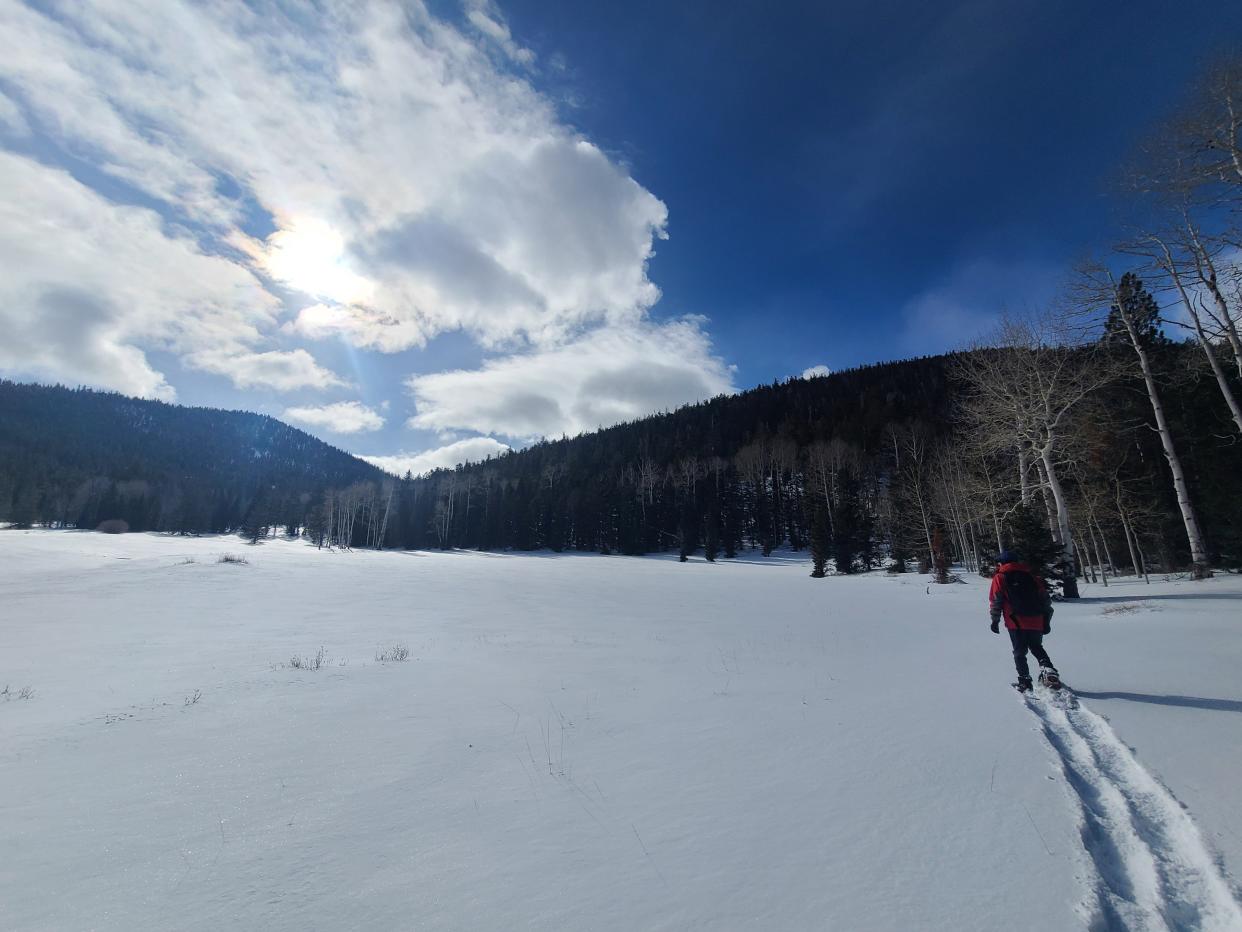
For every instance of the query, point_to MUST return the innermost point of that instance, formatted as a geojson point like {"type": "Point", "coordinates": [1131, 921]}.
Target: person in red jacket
{"type": "Point", "coordinates": [1021, 598]}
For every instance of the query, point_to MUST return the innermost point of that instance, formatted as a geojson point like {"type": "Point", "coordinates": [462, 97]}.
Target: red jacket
{"type": "Point", "coordinates": [998, 601]}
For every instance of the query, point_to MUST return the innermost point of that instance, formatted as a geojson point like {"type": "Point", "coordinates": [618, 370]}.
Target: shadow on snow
{"type": "Point", "coordinates": [1190, 702]}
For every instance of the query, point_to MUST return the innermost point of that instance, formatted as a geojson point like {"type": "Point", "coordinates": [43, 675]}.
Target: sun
{"type": "Point", "coordinates": [309, 256]}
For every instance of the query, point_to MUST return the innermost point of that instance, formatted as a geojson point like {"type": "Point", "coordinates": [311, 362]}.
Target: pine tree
{"type": "Point", "coordinates": [711, 537]}
{"type": "Point", "coordinates": [1032, 542]}
{"type": "Point", "coordinates": [821, 537]}
{"type": "Point", "coordinates": [258, 520]}
{"type": "Point", "coordinates": [730, 519]}
{"type": "Point", "coordinates": [852, 527]}
{"type": "Point", "coordinates": [25, 506]}
{"type": "Point", "coordinates": [1136, 301]}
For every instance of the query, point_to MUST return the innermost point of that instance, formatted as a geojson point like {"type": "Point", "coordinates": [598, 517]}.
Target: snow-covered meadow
{"type": "Point", "coordinates": [585, 742]}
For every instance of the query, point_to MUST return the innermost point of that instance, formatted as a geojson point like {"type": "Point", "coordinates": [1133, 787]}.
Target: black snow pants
{"type": "Point", "coordinates": [1034, 642]}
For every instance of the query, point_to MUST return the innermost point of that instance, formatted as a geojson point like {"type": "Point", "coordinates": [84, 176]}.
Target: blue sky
{"type": "Point", "coordinates": [430, 232]}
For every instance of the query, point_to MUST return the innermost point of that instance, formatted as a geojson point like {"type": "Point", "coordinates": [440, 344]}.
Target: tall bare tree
{"type": "Point", "coordinates": [1098, 290]}
{"type": "Point", "coordinates": [1020, 396]}
{"type": "Point", "coordinates": [1177, 260]}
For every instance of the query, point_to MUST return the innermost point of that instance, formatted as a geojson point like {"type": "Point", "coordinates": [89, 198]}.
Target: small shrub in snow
{"type": "Point", "coordinates": [186, 562]}
{"type": "Point", "coordinates": [1125, 608]}
{"type": "Point", "coordinates": [308, 663]}
{"type": "Point", "coordinates": [193, 700]}
{"type": "Point", "coordinates": [7, 694]}
{"type": "Point", "coordinates": [232, 558]}
{"type": "Point", "coordinates": [394, 654]}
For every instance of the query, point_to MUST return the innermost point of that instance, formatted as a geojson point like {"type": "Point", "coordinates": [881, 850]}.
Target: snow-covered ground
{"type": "Point", "coordinates": [583, 742]}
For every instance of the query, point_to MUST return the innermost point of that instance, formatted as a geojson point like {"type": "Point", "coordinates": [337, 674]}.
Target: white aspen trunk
{"type": "Point", "coordinates": [329, 516]}
{"type": "Point", "coordinates": [996, 526]}
{"type": "Point", "coordinates": [383, 531]}
{"type": "Point", "coordinates": [1062, 514]}
{"type": "Point", "coordinates": [1049, 508]}
{"type": "Point", "coordinates": [963, 531]}
{"type": "Point", "coordinates": [1235, 122]}
{"type": "Point", "coordinates": [1194, 536]}
{"type": "Point", "coordinates": [1142, 559]}
{"type": "Point", "coordinates": [1108, 554]}
{"type": "Point", "coordinates": [1024, 474]}
{"type": "Point", "coordinates": [1207, 274]}
{"type": "Point", "coordinates": [1095, 549]}
{"type": "Point", "coordinates": [1125, 527]}
{"type": "Point", "coordinates": [1218, 370]}
{"type": "Point", "coordinates": [974, 547]}
{"type": "Point", "coordinates": [1084, 562]}
{"type": "Point", "coordinates": [931, 556]}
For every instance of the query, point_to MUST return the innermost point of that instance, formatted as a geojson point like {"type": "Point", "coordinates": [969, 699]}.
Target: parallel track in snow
{"type": "Point", "coordinates": [1152, 870]}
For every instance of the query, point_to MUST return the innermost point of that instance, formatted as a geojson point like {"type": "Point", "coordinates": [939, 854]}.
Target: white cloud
{"type": "Point", "coordinates": [815, 372]}
{"type": "Point", "coordinates": [417, 183]}
{"type": "Point", "coordinates": [487, 19]}
{"type": "Point", "coordinates": [344, 417]}
{"type": "Point", "coordinates": [86, 285]}
{"type": "Point", "coordinates": [605, 377]}
{"type": "Point", "coordinates": [471, 450]}
{"type": "Point", "coordinates": [358, 326]}
{"type": "Point", "coordinates": [282, 370]}
{"type": "Point", "coordinates": [417, 186]}
{"type": "Point", "coordinates": [11, 118]}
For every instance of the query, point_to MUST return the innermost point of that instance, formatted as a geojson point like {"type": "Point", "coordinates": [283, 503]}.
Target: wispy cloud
{"type": "Point", "coordinates": [605, 377]}
{"type": "Point", "coordinates": [282, 370]}
{"type": "Point", "coordinates": [344, 417]}
{"type": "Point", "coordinates": [87, 282]}
{"type": "Point", "coordinates": [486, 17]}
{"type": "Point", "coordinates": [470, 450]}
{"type": "Point", "coordinates": [971, 299]}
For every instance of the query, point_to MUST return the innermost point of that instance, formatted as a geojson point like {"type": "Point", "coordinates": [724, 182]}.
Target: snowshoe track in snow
{"type": "Point", "coordinates": [1153, 872]}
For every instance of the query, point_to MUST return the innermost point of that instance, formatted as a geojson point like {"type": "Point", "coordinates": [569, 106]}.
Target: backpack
{"type": "Point", "coordinates": [1022, 592]}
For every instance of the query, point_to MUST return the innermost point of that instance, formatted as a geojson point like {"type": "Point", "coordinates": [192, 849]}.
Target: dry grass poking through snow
{"type": "Point", "coordinates": [298, 662]}
{"type": "Point", "coordinates": [394, 654]}
{"type": "Point", "coordinates": [1129, 608]}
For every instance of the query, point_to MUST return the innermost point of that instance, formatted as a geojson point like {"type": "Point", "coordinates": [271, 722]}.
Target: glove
{"type": "Point", "coordinates": [1047, 625]}
{"type": "Point", "coordinates": [995, 626]}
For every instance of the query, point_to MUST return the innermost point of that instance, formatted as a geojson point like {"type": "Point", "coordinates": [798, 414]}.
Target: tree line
{"type": "Point", "coordinates": [1099, 436]}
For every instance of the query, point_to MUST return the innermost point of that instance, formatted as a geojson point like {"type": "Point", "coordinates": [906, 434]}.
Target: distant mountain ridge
{"type": "Point", "coordinates": [76, 456]}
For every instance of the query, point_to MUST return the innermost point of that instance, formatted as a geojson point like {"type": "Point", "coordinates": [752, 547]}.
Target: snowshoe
{"type": "Point", "coordinates": [1050, 678]}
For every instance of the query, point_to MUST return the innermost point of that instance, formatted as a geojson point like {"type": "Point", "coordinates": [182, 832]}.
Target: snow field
{"type": "Point", "coordinates": [591, 742]}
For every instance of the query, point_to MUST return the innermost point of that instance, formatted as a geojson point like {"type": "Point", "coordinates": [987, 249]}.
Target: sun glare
{"type": "Point", "coordinates": [309, 256]}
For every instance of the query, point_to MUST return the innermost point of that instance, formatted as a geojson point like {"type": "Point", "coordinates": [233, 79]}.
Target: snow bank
{"type": "Point", "coordinates": [574, 742]}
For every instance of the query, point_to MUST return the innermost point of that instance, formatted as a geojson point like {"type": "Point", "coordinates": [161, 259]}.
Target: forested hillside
{"type": "Point", "coordinates": [879, 463]}
{"type": "Point", "coordinates": [886, 464]}
{"type": "Point", "coordinates": [79, 458]}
